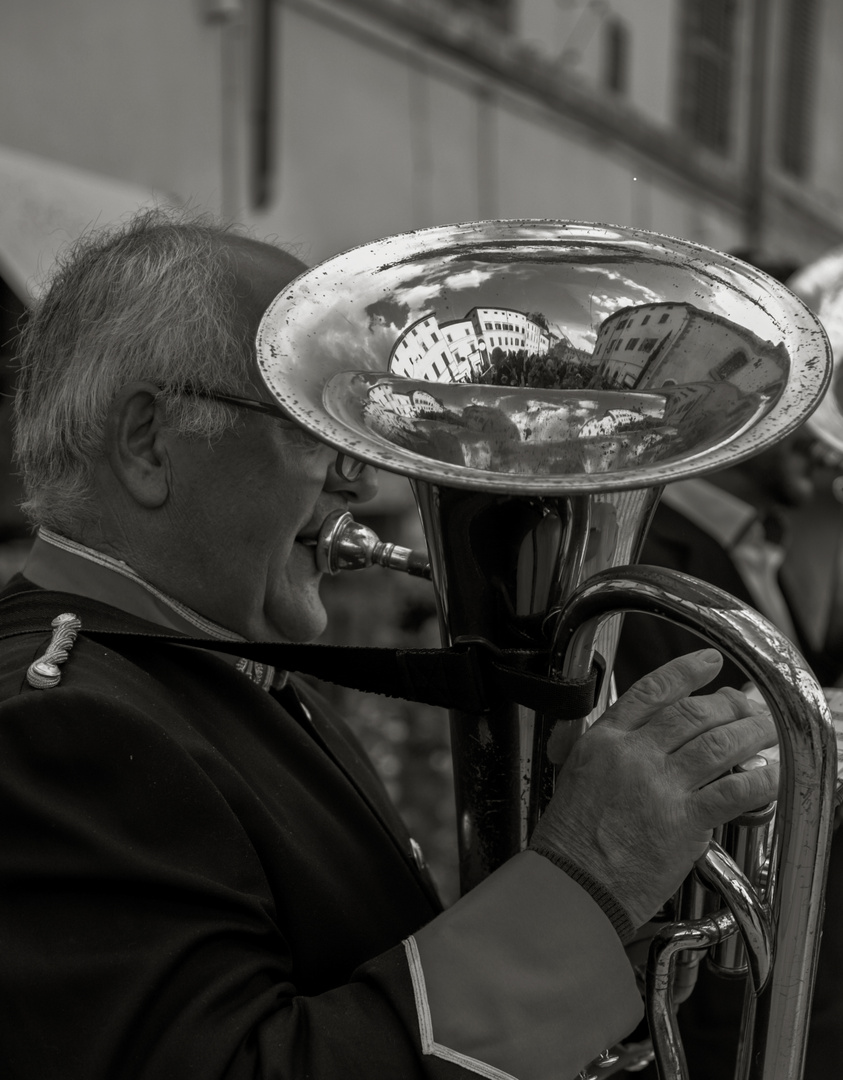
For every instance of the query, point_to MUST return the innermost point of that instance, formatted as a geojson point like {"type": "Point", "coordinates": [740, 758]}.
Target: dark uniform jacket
{"type": "Point", "coordinates": [204, 879]}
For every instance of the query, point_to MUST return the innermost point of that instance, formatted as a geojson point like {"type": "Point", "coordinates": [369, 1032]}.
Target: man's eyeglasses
{"type": "Point", "coordinates": [349, 468]}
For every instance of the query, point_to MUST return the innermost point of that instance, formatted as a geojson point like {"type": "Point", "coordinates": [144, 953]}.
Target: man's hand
{"type": "Point", "coordinates": [637, 800]}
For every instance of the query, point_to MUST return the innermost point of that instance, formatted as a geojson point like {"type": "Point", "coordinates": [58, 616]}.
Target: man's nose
{"type": "Point", "coordinates": [362, 486]}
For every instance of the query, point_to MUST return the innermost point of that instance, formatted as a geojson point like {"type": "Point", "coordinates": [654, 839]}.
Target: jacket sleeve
{"type": "Point", "coordinates": [520, 977]}
{"type": "Point", "coordinates": [143, 943]}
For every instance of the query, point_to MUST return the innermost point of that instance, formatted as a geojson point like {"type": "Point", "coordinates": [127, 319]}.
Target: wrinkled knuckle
{"type": "Point", "coordinates": [736, 698]}
{"type": "Point", "coordinates": [763, 728]}
{"type": "Point", "coordinates": [694, 708]}
{"type": "Point", "coordinates": [757, 730]}
{"type": "Point", "coordinates": [656, 684]}
{"type": "Point", "coordinates": [720, 743]}
{"type": "Point", "coordinates": [760, 787]}
{"type": "Point", "coordinates": [767, 777]}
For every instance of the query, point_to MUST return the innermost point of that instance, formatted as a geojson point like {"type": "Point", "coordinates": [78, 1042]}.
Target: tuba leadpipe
{"type": "Point", "coordinates": [539, 382]}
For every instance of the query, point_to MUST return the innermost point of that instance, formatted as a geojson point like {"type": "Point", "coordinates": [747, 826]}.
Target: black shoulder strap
{"type": "Point", "coordinates": [468, 676]}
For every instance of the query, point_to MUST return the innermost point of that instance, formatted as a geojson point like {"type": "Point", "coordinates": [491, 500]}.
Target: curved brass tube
{"type": "Point", "coordinates": [775, 1021]}
{"type": "Point", "coordinates": [751, 914]}
{"type": "Point", "coordinates": [666, 945]}
{"type": "Point", "coordinates": [785, 921]}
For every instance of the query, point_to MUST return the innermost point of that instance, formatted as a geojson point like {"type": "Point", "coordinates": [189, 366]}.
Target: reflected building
{"type": "Point", "coordinates": [663, 376]}
{"type": "Point", "coordinates": [613, 421]}
{"type": "Point", "coordinates": [397, 411]}
{"type": "Point", "coordinates": [544, 433]}
{"type": "Point", "coordinates": [461, 350]}
{"type": "Point", "coordinates": [636, 346]}
{"type": "Point", "coordinates": [425, 351]}
{"type": "Point", "coordinates": [511, 330]}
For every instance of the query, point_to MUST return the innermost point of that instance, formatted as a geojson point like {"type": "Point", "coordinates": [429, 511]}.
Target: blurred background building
{"type": "Point", "coordinates": [328, 123]}
{"type": "Point", "coordinates": [332, 122]}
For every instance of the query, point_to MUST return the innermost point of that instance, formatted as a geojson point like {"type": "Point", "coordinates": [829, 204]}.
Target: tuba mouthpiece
{"type": "Point", "coordinates": [345, 544]}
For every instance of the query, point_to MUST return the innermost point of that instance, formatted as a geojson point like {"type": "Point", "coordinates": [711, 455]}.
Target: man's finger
{"type": "Point", "coordinates": [664, 686]}
{"type": "Point", "coordinates": [713, 752]}
{"type": "Point", "coordinates": [736, 793]}
{"type": "Point", "coordinates": [676, 725]}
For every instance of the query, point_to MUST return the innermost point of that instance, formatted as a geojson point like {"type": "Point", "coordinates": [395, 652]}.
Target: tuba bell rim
{"type": "Point", "coordinates": [820, 286]}
{"type": "Point", "coordinates": [334, 292]}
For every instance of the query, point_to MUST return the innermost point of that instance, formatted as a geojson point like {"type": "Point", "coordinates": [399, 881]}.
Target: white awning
{"type": "Point", "coordinates": [44, 204]}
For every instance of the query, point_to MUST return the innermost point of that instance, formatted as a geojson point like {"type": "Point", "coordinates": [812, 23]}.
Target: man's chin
{"type": "Point", "coordinates": [299, 628]}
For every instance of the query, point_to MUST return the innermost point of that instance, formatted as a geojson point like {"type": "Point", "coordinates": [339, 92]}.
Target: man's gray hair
{"type": "Point", "coordinates": [153, 300]}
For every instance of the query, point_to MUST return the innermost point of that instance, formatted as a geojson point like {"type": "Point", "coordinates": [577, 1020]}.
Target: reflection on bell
{"type": "Point", "coordinates": [542, 357]}
{"type": "Point", "coordinates": [662, 379]}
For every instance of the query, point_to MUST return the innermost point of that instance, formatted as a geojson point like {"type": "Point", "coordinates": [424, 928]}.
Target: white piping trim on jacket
{"type": "Point", "coordinates": [212, 629]}
{"type": "Point", "coordinates": [429, 1045]}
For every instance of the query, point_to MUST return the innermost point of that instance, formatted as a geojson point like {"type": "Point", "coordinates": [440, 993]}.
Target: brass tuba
{"type": "Point", "coordinates": [539, 382]}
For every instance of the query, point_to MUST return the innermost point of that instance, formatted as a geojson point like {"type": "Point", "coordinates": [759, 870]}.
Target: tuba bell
{"type": "Point", "coordinates": [539, 382]}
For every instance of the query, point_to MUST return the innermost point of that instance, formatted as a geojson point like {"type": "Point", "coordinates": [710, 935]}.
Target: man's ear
{"type": "Point", "coordinates": [136, 444]}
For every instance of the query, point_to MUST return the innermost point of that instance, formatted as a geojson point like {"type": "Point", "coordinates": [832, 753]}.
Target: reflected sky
{"type": "Point", "coordinates": [575, 296]}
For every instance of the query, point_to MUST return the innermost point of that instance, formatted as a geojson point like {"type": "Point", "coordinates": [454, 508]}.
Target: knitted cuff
{"type": "Point", "coordinates": [613, 909]}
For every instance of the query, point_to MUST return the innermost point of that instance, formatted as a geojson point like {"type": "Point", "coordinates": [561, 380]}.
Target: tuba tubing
{"type": "Point", "coordinates": [780, 925]}
{"type": "Point", "coordinates": [776, 1019]}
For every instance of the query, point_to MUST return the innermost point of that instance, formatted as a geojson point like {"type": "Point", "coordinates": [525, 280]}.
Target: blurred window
{"type": "Point", "coordinates": [707, 72]}
{"type": "Point", "coordinates": [799, 65]}
{"type": "Point", "coordinates": [498, 12]}
{"type": "Point", "coordinates": [734, 363]}
{"type": "Point", "coordinates": [616, 56]}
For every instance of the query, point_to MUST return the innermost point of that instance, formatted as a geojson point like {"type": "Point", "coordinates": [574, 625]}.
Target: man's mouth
{"type": "Point", "coordinates": [310, 538]}
{"type": "Point", "coordinates": [309, 535]}
{"type": "Point", "coordinates": [326, 539]}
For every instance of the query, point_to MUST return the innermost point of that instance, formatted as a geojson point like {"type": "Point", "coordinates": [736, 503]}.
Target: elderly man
{"type": "Point", "coordinates": [201, 874]}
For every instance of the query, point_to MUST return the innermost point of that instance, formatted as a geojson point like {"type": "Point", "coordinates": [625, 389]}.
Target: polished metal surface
{"type": "Point", "coordinates": [665, 359]}
{"type": "Point", "coordinates": [775, 1021]}
{"type": "Point", "coordinates": [820, 285]}
{"type": "Point", "coordinates": [345, 544]}
{"type": "Point", "coordinates": [668, 945]}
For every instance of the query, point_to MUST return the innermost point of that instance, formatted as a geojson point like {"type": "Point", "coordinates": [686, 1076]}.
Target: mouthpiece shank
{"type": "Point", "coordinates": [345, 544]}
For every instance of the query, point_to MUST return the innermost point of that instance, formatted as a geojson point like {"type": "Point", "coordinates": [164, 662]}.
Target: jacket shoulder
{"type": "Point", "coordinates": [42, 635]}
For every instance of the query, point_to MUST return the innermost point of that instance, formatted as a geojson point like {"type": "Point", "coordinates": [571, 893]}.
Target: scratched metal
{"type": "Point", "coordinates": [820, 285]}
{"type": "Point", "coordinates": [657, 359]}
